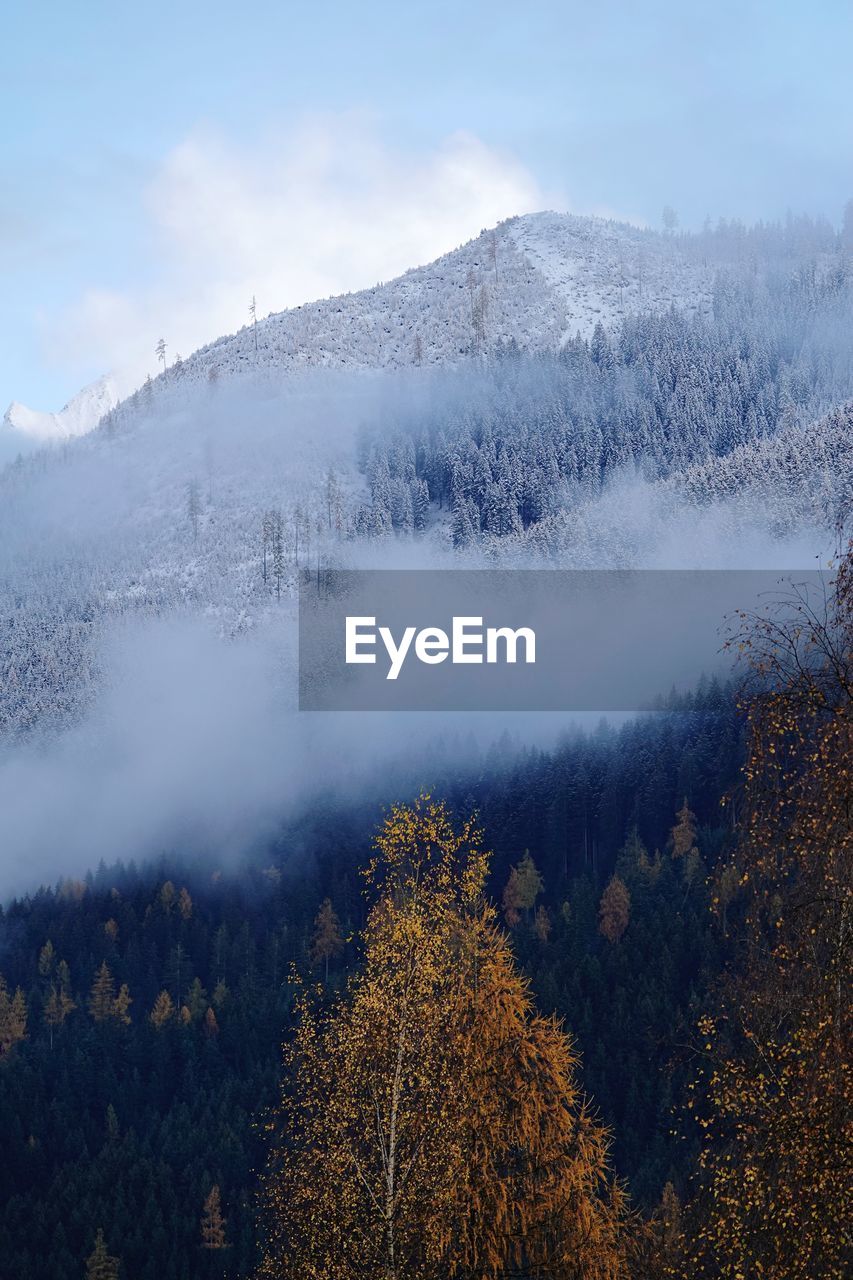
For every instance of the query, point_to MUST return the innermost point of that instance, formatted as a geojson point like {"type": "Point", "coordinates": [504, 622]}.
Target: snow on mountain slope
{"type": "Point", "coordinates": [83, 412]}
{"type": "Point", "coordinates": [162, 509]}
{"type": "Point", "coordinates": [128, 553]}
{"type": "Point", "coordinates": [801, 474]}
{"type": "Point", "coordinates": [534, 280]}
{"type": "Point", "coordinates": [604, 270]}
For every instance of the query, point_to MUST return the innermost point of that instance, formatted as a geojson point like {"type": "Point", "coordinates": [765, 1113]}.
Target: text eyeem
{"type": "Point", "coordinates": [468, 642]}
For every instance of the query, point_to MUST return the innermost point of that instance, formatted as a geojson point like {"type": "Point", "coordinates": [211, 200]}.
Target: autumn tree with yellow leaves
{"type": "Point", "coordinates": [614, 910]}
{"type": "Point", "coordinates": [327, 941]}
{"type": "Point", "coordinates": [432, 1125]}
{"type": "Point", "coordinates": [522, 889]}
{"type": "Point", "coordinates": [105, 1005]}
{"type": "Point", "coordinates": [213, 1222]}
{"type": "Point", "coordinates": [13, 1018]}
{"type": "Point", "coordinates": [775, 1099]}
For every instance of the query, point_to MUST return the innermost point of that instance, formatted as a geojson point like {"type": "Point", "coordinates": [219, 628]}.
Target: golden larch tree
{"type": "Point", "coordinates": [59, 1002]}
{"type": "Point", "coordinates": [104, 1004]}
{"type": "Point", "coordinates": [327, 941]}
{"type": "Point", "coordinates": [13, 1018]}
{"type": "Point", "coordinates": [614, 910]}
{"type": "Point", "coordinates": [212, 1222]}
{"type": "Point", "coordinates": [431, 1125]}
{"type": "Point", "coordinates": [683, 834]}
{"type": "Point", "coordinates": [522, 889]}
{"type": "Point", "coordinates": [163, 1011]}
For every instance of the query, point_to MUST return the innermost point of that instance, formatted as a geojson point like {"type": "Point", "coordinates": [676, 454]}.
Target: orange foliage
{"type": "Point", "coordinates": [432, 1126]}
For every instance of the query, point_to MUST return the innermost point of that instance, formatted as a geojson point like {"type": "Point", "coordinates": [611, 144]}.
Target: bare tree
{"type": "Point", "coordinates": [253, 312]}
{"type": "Point", "coordinates": [670, 219]}
{"type": "Point", "coordinates": [277, 536]}
{"type": "Point", "coordinates": [193, 506]}
{"type": "Point", "coordinates": [493, 253]}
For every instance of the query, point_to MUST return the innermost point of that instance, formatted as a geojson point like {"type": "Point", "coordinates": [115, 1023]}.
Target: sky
{"type": "Point", "coordinates": [161, 164]}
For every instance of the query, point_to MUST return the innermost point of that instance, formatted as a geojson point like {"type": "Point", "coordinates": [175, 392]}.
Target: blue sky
{"type": "Point", "coordinates": [113, 114]}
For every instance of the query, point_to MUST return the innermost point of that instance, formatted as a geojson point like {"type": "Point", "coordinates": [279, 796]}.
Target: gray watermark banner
{"type": "Point", "coordinates": [523, 640]}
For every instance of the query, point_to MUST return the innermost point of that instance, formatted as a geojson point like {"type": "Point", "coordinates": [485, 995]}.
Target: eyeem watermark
{"type": "Point", "coordinates": [467, 643]}
{"type": "Point", "coordinates": [520, 639]}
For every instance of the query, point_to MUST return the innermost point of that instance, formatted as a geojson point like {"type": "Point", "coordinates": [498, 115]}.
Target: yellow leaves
{"type": "Point", "coordinates": [435, 1062]}
{"type": "Point", "coordinates": [778, 1171]}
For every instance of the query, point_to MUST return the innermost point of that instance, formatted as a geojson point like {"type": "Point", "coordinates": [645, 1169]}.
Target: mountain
{"type": "Point", "coordinates": [83, 412]}
{"type": "Point", "coordinates": [535, 280]}
{"type": "Point", "coordinates": [561, 391]}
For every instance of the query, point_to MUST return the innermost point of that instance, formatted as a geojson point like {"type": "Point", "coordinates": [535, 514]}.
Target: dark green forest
{"type": "Point", "coordinates": [116, 1120]}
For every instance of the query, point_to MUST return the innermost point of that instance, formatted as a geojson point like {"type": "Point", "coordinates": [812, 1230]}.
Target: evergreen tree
{"type": "Point", "coordinates": [100, 1265]}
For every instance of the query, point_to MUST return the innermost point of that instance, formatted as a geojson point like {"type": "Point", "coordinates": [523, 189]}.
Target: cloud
{"type": "Point", "coordinates": [325, 208]}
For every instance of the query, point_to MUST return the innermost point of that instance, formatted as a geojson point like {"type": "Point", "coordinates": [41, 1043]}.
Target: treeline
{"type": "Point", "coordinates": [636, 875]}
{"type": "Point", "coordinates": [154, 1017]}
{"type": "Point", "coordinates": [532, 437]}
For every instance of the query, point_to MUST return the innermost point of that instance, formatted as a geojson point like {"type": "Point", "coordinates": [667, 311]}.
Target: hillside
{"type": "Point", "coordinates": [534, 281]}
{"type": "Point", "coordinates": [665, 438]}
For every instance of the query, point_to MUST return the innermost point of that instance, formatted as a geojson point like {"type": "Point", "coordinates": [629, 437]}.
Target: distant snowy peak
{"type": "Point", "coordinates": [80, 415]}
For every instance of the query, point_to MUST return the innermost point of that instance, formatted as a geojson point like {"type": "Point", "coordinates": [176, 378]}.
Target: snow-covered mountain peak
{"type": "Point", "coordinates": [534, 280]}
{"type": "Point", "coordinates": [82, 413]}
{"type": "Point", "coordinates": [604, 270]}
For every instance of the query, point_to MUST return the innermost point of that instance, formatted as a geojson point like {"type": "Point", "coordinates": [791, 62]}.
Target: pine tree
{"type": "Point", "coordinates": [57, 1006]}
{"type": "Point", "coordinates": [121, 1008]}
{"type": "Point", "coordinates": [100, 1265]}
{"type": "Point", "coordinates": [327, 942]}
{"type": "Point", "coordinates": [212, 1222]}
{"type": "Point", "coordinates": [542, 924]}
{"type": "Point", "coordinates": [47, 959]}
{"type": "Point", "coordinates": [196, 999]}
{"type": "Point", "coordinates": [220, 995]}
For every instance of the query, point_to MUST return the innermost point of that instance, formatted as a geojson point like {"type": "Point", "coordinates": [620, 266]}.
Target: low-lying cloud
{"type": "Point", "coordinates": [324, 208]}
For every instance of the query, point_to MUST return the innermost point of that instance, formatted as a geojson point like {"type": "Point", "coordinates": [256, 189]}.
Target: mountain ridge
{"type": "Point", "coordinates": [80, 415]}
{"type": "Point", "coordinates": [535, 280]}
